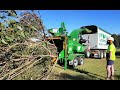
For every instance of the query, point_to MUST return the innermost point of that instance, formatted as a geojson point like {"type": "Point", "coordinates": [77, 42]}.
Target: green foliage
{"type": "Point", "coordinates": [16, 48]}
{"type": "Point", "coordinates": [12, 31]}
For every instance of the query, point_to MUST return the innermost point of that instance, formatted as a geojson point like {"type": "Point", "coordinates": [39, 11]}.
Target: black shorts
{"type": "Point", "coordinates": [110, 62]}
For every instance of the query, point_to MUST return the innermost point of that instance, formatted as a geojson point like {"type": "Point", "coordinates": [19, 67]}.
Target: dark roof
{"type": "Point", "coordinates": [96, 27]}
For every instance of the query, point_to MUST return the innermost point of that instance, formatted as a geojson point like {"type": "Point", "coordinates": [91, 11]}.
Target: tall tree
{"type": "Point", "coordinates": [119, 39]}
{"type": "Point", "coordinates": [116, 40]}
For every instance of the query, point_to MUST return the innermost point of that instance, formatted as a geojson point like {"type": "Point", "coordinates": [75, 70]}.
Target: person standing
{"type": "Point", "coordinates": [110, 58]}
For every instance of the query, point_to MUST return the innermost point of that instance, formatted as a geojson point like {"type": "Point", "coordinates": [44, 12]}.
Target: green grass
{"type": "Point", "coordinates": [117, 67]}
{"type": "Point", "coordinates": [92, 69]}
{"type": "Point", "coordinates": [118, 49]}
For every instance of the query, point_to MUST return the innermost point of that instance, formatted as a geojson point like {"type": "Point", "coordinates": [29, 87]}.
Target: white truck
{"type": "Point", "coordinates": [96, 42]}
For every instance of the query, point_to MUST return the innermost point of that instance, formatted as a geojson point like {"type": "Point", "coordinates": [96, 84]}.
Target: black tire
{"type": "Point", "coordinates": [87, 54]}
{"type": "Point", "coordinates": [80, 60]}
{"type": "Point", "coordinates": [101, 54]}
{"type": "Point", "coordinates": [104, 54]}
{"type": "Point", "coordinates": [75, 62]}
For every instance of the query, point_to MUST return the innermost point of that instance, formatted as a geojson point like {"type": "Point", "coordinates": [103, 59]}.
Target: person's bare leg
{"type": "Point", "coordinates": [112, 72]}
{"type": "Point", "coordinates": [108, 72]}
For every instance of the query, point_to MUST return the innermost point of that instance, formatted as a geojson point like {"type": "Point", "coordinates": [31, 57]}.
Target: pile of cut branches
{"type": "Point", "coordinates": [23, 46]}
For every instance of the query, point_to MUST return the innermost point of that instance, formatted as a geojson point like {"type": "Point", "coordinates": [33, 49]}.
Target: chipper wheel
{"type": "Point", "coordinates": [75, 62]}
{"type": "Point", "coordinates": [80, 60]}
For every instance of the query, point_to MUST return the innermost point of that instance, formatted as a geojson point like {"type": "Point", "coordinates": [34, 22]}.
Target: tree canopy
{"type": "Point", "coordinates": [116, 40]}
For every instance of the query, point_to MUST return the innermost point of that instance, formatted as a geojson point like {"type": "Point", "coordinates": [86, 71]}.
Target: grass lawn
{"type": "Point", "coordinates": [118, 50]}
{"type": "Point", "coordinates": [92, 69]}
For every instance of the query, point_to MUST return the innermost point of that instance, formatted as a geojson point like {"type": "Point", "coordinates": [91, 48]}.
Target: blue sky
{"type": "Point", "coordinates": [108, 20]}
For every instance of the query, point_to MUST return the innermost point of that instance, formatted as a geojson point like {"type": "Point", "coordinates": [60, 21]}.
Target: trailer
{"type": "Point", "coordinates": [96, 41]}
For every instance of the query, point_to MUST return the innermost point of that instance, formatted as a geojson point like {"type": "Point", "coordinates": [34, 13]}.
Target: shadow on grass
{"type": "Point", "coordinates": [117, 76]}
{"type": "Point", "coordinates": [65, 76]}
{"type": "Point", "coordinates": [87, 75]}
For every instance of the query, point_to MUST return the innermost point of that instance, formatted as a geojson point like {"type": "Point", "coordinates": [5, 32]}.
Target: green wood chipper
{"type": "Point", "coordinates": [71, 47]}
